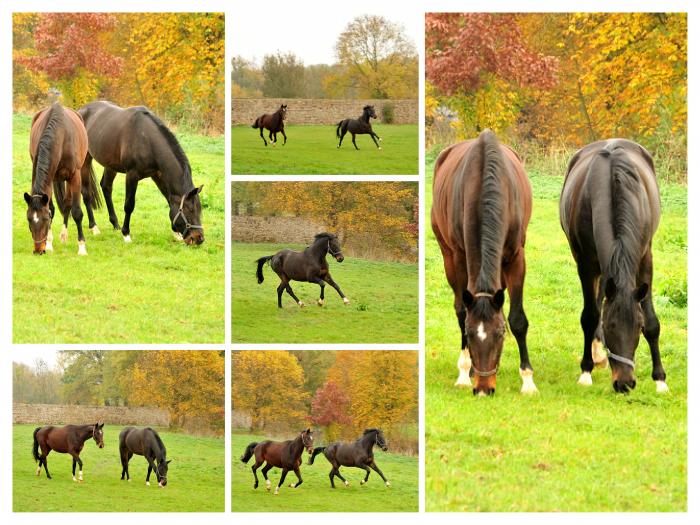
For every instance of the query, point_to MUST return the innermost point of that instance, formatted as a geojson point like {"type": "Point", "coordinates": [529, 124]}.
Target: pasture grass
{"type": "Point", "coordinates": [383, 302]}
{"type": "Point", "coordinates": [568, 448]}
{"type": "Point", "coordinates": [195, 477]}
{"type": "Point", "coordinates": [315, 493]}
{"type": "Point", "coordinates": [312, 150]}
{"type": "Point", "coordinates": [154, 290]}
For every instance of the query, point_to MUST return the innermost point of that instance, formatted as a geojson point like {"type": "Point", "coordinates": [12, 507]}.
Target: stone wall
{"type": "Point", "coordinates": [319, 111]}
{"type": "Point", "coordinates": [38, 414]}
{"type": "Point", "coordinates": [296, 230]}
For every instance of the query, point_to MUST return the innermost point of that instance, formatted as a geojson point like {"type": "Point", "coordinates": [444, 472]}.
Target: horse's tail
{"type": "Point", "coordinates": [93, 189]}
{"type": "Point", "coordinates": [255, 124]}
{"type": "Point", "coordinates": [316, 452]}
{"type": "Point", "coordinates": [337, 130]}
{"type": "Point", "coordinates": [35, 446]}
{"type": "Point", "coordinates": [59, 193]}
{"type": "Point", "coordinates": [248, 452]}
{"type": "Point", "coordinates": [261, 262]}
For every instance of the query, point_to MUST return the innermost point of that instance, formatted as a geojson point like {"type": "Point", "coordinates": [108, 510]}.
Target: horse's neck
{"type": "Point", "coordinates": [368, 442]}
{"type": "Point", "coordinates": [364, 118]}
{"type": "Point", "coordinates": [85, 433]}
{"type": "Point", "coordinates": [175, 182]}
{"type": "Point", "coordinates": [319, 249]}
{"type": "Point", "coordinates": [297, 447]}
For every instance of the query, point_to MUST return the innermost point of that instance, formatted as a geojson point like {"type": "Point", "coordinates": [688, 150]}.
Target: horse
{"type": "Point", "coordinates": [307, 266]}
{"type": "Point", "coordinates": [609, 210]}
{"type": "Point", "coordinates": [67, 440]}
{"type": "Point", "coordinates": [359, 126]}
{"type": "Point", "coordinates": [273, 122]}
{"type": "Point", "coordinates": [357, 454]}
{"type": "Point", "coordinates": [281, 454]}
{"type": "Point", "coordinates": [57, 147]}
{"type": "Point", "coordinates": [136, 142]}
{"type": "Point", "coordinates": [147, 443]}
{"type": "Point", "coordinates": [482, 203]}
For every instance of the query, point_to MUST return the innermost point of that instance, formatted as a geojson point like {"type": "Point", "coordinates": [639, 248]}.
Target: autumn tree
{"type": "Point", "coordinates": [315, 366]}
{"type": "Point", "coordinates": [283, 76]}
{"type": "Point", "coordinates": [329, 410]}
{"type": "Point", "coordinates": [246, 78]}
{"type": "Point", "coordinates": [35, 384]}
{"type": "Point", "coordinates": [269, 385]}
{"type": "Point", "coordinates": [83, 376]}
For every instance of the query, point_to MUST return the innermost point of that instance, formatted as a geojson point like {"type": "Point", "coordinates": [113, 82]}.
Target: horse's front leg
{"type": "Point", "coordinates": [107, 183]}
{"type": "Point", "coordinates": [284, 135]}
{"type": "Point", "coordinates": [367, 471]}
{"type": "Point", "coordinates": [353, 141]}
{"type": "Point", "coordinates": [298, 474]}
{"type": "Point", "coordinates": [148, 473]}
{"type": "Point", "coordinates": [132, 182]}
{"type": "Point", "coordinates": [80, 468]}
{"type": "Point", "coordinates": [374, 467]}
{"type": "Point", "coordinates": [262, 135]}
{"type": "Point", "coordinates": [77, 211]}
{"type": "Point", "coordinates": [284, 475]}
{"type": "Point", "coordinates": [652, 327]}
{"type": "Point", "coordinates": [374, 138]}
{"type": "Point", "coordinates": [322, 284]}
{"type": "Point", "coordinates": [330, 281]}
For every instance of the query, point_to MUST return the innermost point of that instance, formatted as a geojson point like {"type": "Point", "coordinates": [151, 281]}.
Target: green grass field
{"type": "Point", "coordinates": [152, 290]}
{"type": "Point", "coordinates": [383, 302]}
{"type": "Point", "coordinates": [316, 494]}
{"type": "Point", "coordinates": [312, 150]}
{"type": "Point", "coordinates": [195, 477]}
{"type": "Point", "coordinates": [569, 448]}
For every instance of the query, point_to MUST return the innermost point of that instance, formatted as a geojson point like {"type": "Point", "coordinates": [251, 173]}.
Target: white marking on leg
{"type": "Point", "coordinates": [301, 304]}
{"type": "Point", "coordinates": [81, 248]}
{"type": "Point", "coordinates": [74, 479]}
{"type": "Point", "coordinates": [127, 238]}
{"type": "Point", "coordinates": [379, 147]}
{"type": "Point", "coordinates": [277, 491]}
{"type": "Point", "coordinates": [35, 217]}
{"type": "Point", "coordinates": [600, 358]}
{"type": "Point", "coordinates": [481, 334]}
{"type": "Point", "coordinates": [64, 233]}
{"type": "Point", "coordinates": [95, 230]}
{"type": "Point", "coordinates": [362, 482]}
{"type": "Point", "coordinates": [585, 379]}
{"type": "Point", "coordinates": [464, 364]}
{"type": "Point", "coordinates": [661, 387]}
{"type": "Point", "coordinates": [178, 236]}
{"type": "Point", "coordinates": [528, 384]}
{"type": "Point", "coordinates": [346, 301]}
{"type": "Point", "coordinates": [347, 483]}
{"type": "Point", "coordinates": [80, 475]}
{"type": "Point", "coordinates": [38, 471]}
{"type": "Point", "coordinates": [388, 483]}
{"type": "Point", "coordinates": [321, 302]}
{"type": "Point", "coordinates": [148, 483]}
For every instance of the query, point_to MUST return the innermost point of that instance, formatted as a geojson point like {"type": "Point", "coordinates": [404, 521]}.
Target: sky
{"type": "Point", "coordinates": [28, 356]}
{"type": "Point", "coordinates": [308, 30]}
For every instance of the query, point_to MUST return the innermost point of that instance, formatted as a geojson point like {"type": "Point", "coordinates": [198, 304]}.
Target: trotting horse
{"type": "Point", "coordinates": [136, 142]}
{"type": "Point", "coordinates": [147, 443]}
{"type": "Point", "coordinates": [58, 145]}
{"type": "Point", "coordinates": [358, 454]}
{"type": "Point", "coordinates": [482, 203]}
{"type": "Point", "coordinates": [67, 440]}
{"type": "Point", "coordinates": [273, 122]}
{"type": "Point", "coordinates": [281, 454]}
{"type": "Point", "coordinates": [609, 210]}
{"type": "Point", "coordinates": [307, 266]}
{"type": "Point", "coordinates": [359, 126]}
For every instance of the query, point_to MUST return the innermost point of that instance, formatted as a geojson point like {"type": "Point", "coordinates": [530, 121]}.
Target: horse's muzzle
{"type": "Point", "coordinates": [101, 445]}
{"type": "Point", "coordinates": [195, 237]}
{"type": "Point", "coordinates": [39, 248]}
{"type": "Point", "coordinates": [339, 258]}
{"type": "Point", "coordinates": [624, 386]}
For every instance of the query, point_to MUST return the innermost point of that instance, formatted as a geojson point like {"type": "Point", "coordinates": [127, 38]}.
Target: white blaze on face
{"type": "Point", "coordinates": [481, 334]}
{"type": "Point", "coordinates": [35, 217]}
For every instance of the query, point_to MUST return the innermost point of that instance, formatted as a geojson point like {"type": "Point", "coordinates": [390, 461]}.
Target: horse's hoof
{"type": "Point", "coordinates": [127, 238]}
{"type": "Point", "coordinates": [301, 304]}
{"type": "Point", "coordinates": [379, 147]}
{"type": "Point", "coordinates": [347, 483]}
{"type": "Point", "coordinates": [148, 483]}
{"type": "Point", "coordinates": [585, 379]}
{"type": "Point", "coordinates": [277, 491]}
{"type": "Point", "coordinates": [528, 384]}
{"type": "Point", "coordinates": [95, 230]}
{"type": "Point", "coordinates": [388, 483]}
{"type": "Point", "coordinates": [291, 485]}
{"type": "Point", "coordinates": [362, 482]}
{"type": "Point", "coordinates": [346, 301]}
{"type": "Point", "coordinates": [661, 387]}
{"type": "Point", "coordinates": [81, 248]}
{"type": "Point", "coordinates": [320, 302]}
{"type": "Point", "coordinates": [38, 471]}
{"type": "Point", "coordinates": [75, 479]}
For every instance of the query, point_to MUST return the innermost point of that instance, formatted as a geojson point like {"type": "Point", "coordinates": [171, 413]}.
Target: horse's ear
{"type": "Point", "coordinates": [27, 197]}
{"type": "Point", "coordinates": [467, 298]}
{"type": "Point", "coordinates": [100, 426]}
{"type": "Point", "coordinates": [44, 199]}
{"type": "Point", "coordinates": [168, 462]}
{"type": "Point", "coordinates": [194, 192]}
{"type": "Point", "coordinates": [610, 289]}
{"type": "Point", "coordinates": [641, 292]}
{"type": "Point", "coordinates": [499, 298]}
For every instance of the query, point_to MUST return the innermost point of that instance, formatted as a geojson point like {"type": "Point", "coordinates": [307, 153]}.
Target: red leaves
{"type": "Point", "coordinates": [330, 405]}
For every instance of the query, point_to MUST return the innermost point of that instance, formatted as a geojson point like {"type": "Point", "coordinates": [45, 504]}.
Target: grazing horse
{"type": "Point", "coordinates": [136, 142]}
{"type": "Point", "coordinates": [273, 122]}
{"type": "Point", "coordinates": [482, 203]}
{"type": "Point", "coordinates": [358, 126]}
{"type": "Point", "coordinates": [281, 454]}
{"type": "Point", "coordinates": [67, 440]}
{"type": "Point", "coordinates": [609, 210]}
{"type": "Point", "coordinates": [357, 454]}
{"type": "Point", "coordinates": [307, 266]}
{"type": "Point", "coordinates": [58, 145]}
{"type": "Point", "coordinates": [147, 443]}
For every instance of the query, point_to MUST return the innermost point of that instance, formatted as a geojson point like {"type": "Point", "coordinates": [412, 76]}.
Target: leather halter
{"type": "Point", "coordinates": [478, 372]}
{"type": "Point", "coordinates": [180, 213]}
{"type": "Point", "coordinates": [619, 358]}
{"type": "Point", "coordinates": [334, 254]}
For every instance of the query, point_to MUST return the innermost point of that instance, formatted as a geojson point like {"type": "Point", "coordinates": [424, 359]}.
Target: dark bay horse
{"type": "Point", "coordinates": [147, 443]}
{"type": "Point", "coordinates": [67, 440]}
{"type": "Point", "coordinates": [273, 122]}
{"type": "Point", "coordinates": [58, 146]}
{"type": "Point", "coordinates": [609, 210]}
{"type": "Point", "coordinates": [359, 126]}
{"type": "Point", "coordinates": [307, 266]}
{"type": "Point", "coordinates": [358, 454]}
{"type": "Point", "coordinates": [281, 454]}
{"type": "Point", "coordinates": [136, 142]}
{"type": "Point", "coordinates": [482, 203]}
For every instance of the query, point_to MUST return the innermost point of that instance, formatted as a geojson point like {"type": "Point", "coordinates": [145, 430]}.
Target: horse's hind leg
{"type": "Point", "coordinates": [337, 473]}
{"type": "Point", "coordinates": [43, 459]}
{"type": "Point", "coordinates": [367, 471]}
{"type": "Point", "coordinates": [77, 211]}
{"type": "Point", "coordinates": [280, 290]}
{"type": "Point", "coordinates": [353, 141]}
{"type": "Point", "coordinates": [330, 281]}
{"type": "Point", "coordinates": [652, 328]}
{"type": "Point", "coordinates": [331, 476]}
{"type": "Point", "coordinates": [590, 317]}
{"type": "Point", "coordinates": [76, 459]}
{"type": "Point", "coordinates": [342, 135]}
{"type": "Point", "coordinates": [265, 470]}
{"type": "Point", "coordinates": [298, 474]}
{"type": "Point", "coordinates": [515, 280]}
{"type": "Point", "coordinates": [284, 475]}
{"type": "Point", "coordinates": [262, 136]}
{"type": "Point", "coordinates": [374, 467]}
{"type": "Point", "coordinates": [285, 281]}
{"type": "Point", "coordinates": [107, 183]}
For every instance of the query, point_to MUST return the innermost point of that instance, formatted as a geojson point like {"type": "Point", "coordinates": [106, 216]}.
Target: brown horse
{"type": "Point", "coordinates": [273, 122]}
{"type": "Point", "coordinates": [282, 454]}
{"type": "Point", "coordinates": [58, 145]}
{"type": "Point", "coordinates": [67, 440]}
{"type": "Point", "coordinates": [482, 203]}
{"type": "Point", "coordinates": [609, 210]}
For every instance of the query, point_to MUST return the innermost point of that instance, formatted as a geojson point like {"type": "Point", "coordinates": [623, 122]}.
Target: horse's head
{"type": "Point", "coordinates": [307, 438]}
{"type": "Point", "coordinates": [162, 473]}
{"type": "Point", "coordinates": [39, 219]}
{"type": "Point", "coordinates": [99, 435]}
{"type": "Point", "coordinates": [485, 330]}
{"type": "Point", "coordinates": [283, 109]}
{"type": "Point", "coordinates": [381, 441]}
{"type": "Point", "coordinates": [334, 248]}
{"type": "Point", "coordinates": [622, 323]}
{"type": "Point", "coordinates": [185, 216]}
{"type": "Point", "coordinates": [369, 110]}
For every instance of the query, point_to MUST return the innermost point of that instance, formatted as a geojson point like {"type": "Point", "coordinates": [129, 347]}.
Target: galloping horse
{"type": "Point", "coordinates": [357, 454]}
{"type": "Point", "coordinates": [273, 122]}
{"type": "Point", "coordinates": [482, 203]}
{"type": "Point", "coordinates": [307, 266]}
{"type": "Point", "coordinates": [282, 454]}
{"type": "Point", "coordinates": [609, 210]}
{"type": "Point", "coordinates": [358, 126]}
{"type": "Point", "coordinates": [147, 443]}
{"type": "Point", "coordinates": [136, 142]}
{"type": "Point", "coordinates": [58, 145]}
{"type": "Point", "coordinates": [67, 440]}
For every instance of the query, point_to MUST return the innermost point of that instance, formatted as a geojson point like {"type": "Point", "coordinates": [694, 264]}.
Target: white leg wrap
{"type": "Point", "coordinates": [81, 248]}
{"type": "Point", "coordinates": [49, 241]}
{"type": "Point", "coordinates": [528, 384]}
{"type": "Point", "coordinates": [38, 471]}
{"type": "Point", "coordinates": [127, 238]}
{"type": "Point", "coordinates": [464, 364]}
{"type": "Point", "coordinates": [346, 301]}
{"type": "Point", "coordinates": [95, 230]}
{"type": "Point", "coordinates": [661, 387]}
{"type": "Point", "coordinates": [585, 379]}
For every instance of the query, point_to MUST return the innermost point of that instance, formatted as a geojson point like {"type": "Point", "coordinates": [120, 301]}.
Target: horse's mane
{"type": "Point", "coordinates": [369, 431]}
{"type": "Point", "coordinates": [43, 154]}
{"type": "Point", "coordinates": [172, 142]}
{"type": "Point", "coordinates": [324, 235]}
{"type": "Point", "coordinates": [159, 441]}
